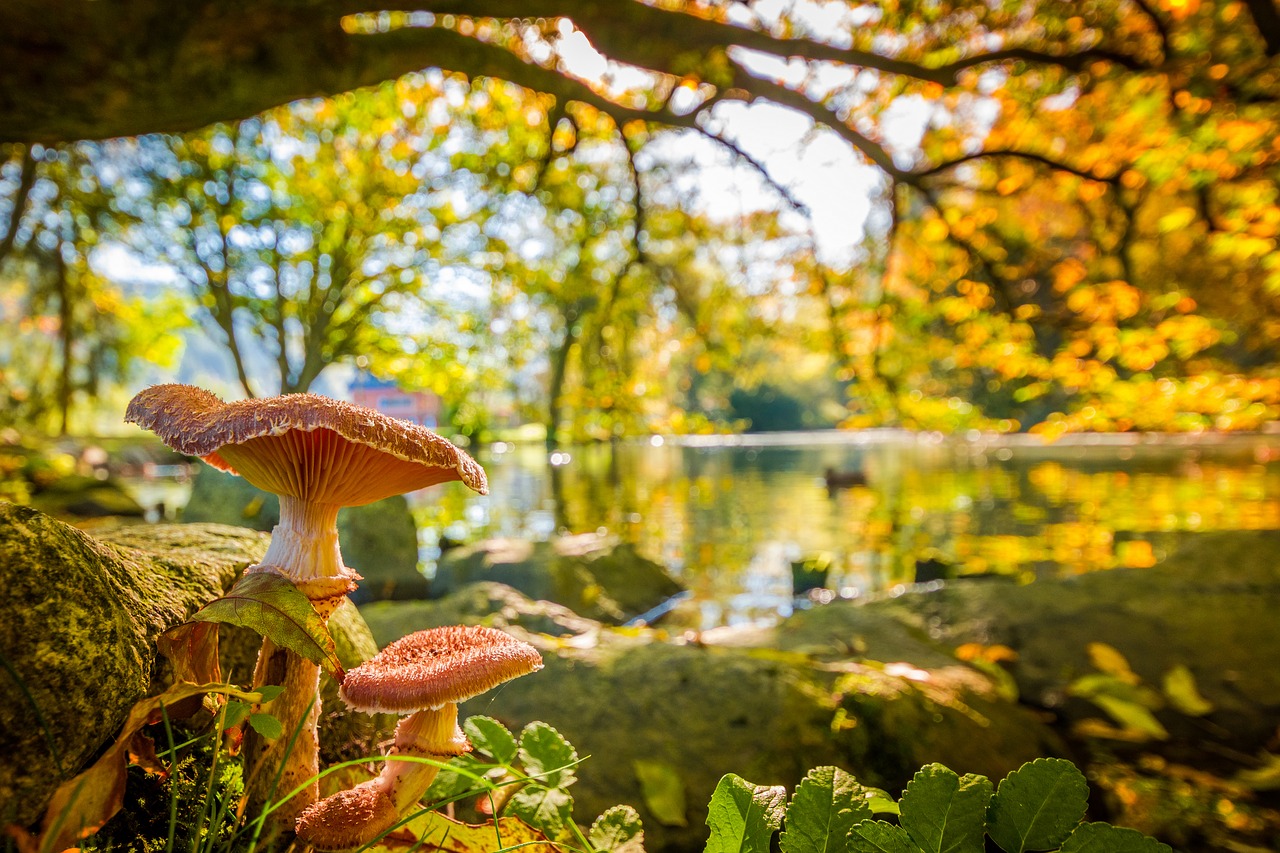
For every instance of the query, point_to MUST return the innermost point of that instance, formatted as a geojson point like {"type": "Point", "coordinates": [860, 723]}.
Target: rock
{"type": "Point", "coordinates": [483, 603]}
{"type": "Point", "coordinates": [594, 576]}
{"type": "Point", "coordinates": [78, 621]}
{"type": "Point", "coordinates": [77, 496]}
{"type": "Point", "coordinates": [695, 712]}
{"type": "Point", "coordinates": [1210, 606]}
{"type": "Point", "coordinates": [380, 540]}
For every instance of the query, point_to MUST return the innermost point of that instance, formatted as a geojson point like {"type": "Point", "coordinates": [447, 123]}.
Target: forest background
{"type": "Point", "coordinates": [1073, 229]}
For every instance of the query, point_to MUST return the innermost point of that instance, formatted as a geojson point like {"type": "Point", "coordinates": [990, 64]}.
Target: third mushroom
{"type": "Point", "coordinates": [425, 675]}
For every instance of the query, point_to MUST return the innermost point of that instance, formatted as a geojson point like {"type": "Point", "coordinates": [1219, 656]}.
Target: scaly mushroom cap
{"type": "Point", "coordinates": [304, 445]}
{"type": "Point", "coordinates": [430, 668]}
{"type": "Point", "coordinates": [348, 818]}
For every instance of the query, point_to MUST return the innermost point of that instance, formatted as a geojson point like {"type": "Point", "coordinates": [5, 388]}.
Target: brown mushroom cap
{"type": "Point", "coordinates": [430, 668]}
{"type": "Point", "coordinates": [304, 445]}
{"type": "Point", "coordinates": [348, 818]}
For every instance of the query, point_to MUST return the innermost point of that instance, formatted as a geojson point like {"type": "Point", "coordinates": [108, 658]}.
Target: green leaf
{"type": "Point", "coordinates": [492, 738]}
{"type": "Point", "coordinates": [1180, 687]}
{"type": "Point", "coordinates": [663, 791]}
{"type": "Point", "coordinates": [618, 830]}
{"type": "Point", "coordinates": [743, 817]}
{"type": "Point", "coordinates": [944, 812]}
{"type": "Point", "coordinates": [1037, 806]}
{"type": "Point", "coordinates": [236, 713]}
{"type": "Point", "coordinates": [545, 809]}
{"type": "Point", "coordinates": [547, 756]}
{"type": "Point", "coordinates": [272, 606]}
{"type": "Point", "coordinates": [268, 692]}
{"type": "Point", "coordinates": [266, 725]}
{"type": "Point", "coordinates": [1105, 838]}
{"type": "Point", "coordinates": [826, 805]}
{"type": "Point", "coordinates": [875, 836]}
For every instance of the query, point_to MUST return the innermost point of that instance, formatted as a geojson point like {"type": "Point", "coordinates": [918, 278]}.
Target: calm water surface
{"type": "Point", "coordinates": [729, 515]}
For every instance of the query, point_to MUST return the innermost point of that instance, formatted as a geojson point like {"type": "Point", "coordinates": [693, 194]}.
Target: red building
{"type": "Point", "coordinates": [421, 407]}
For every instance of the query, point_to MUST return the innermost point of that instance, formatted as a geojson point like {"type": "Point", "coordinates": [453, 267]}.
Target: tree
{"type": "Point", "coordinates": [304, 236]}
{"type": "Point", "coordinates": [69, 331]}
{"type": "Point", "coordinates": [1085, 232]}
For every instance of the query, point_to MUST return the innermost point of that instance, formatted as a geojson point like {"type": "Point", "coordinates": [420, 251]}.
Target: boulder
{"type": "Point", "coordinates": [1210, 606]}
{"type": "Point", "coordinates": [79, 617]}
{"type": "Point", "coordinates": [643, 709]}
{"type": "Point", "coordinates": [593, 575]}
{"type": "Point", "coordinates": [379, 540]}
{"type": "Point", "coordinates": [485, 603]}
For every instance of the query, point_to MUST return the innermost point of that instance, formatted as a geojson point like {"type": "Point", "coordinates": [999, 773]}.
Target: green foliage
{"type": "Point", "coordinates": [743, 816]}
{"type": "Point", "coordinates": [1038, 807]}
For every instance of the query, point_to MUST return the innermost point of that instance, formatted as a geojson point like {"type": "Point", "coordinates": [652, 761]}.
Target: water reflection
{"type": "Point", "coordinates": [730, 516]}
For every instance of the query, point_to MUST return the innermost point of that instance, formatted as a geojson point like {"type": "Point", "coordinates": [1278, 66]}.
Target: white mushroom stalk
{"type": "Point", "coordinates": [318, 455]}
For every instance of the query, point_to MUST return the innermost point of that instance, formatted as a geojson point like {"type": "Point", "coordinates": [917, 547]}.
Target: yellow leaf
{"type": "Point", "coordinates": [1109, 660]}
{"type": "Point", "coordinates": [1180, 687]}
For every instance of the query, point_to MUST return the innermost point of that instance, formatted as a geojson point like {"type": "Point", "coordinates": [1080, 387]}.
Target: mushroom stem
{"type": "Point", "coordinates": [304, 545]}
{"type": "Point", "coordinates": [432, 733]}
{"type": "Point", "coordinates": [357, 816]}
{"type": "Point", "coordinates": [298, 709]}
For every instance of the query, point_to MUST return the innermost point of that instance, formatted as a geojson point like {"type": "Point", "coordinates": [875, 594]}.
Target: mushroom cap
{"type": "Point", "coordinates": [348, 819]}
{"type": "Point", "coordinates": [304, 445]}
{"type": "Point", "coordinates": [427, 669]}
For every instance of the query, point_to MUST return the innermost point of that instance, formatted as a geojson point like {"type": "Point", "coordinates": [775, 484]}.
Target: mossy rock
{"type": "Point", "coordinates": [594, 576]}
{"type": "Point", "coordinates": [77, 496]}
{"type": "Point", "coordinates": [379, 540]}
{"type": "Point", "coordinates": [78, 623]}
{"type": "Point", "coordinates": [79, 617]}
{"type": "Point", "coordinates": [486, 603]}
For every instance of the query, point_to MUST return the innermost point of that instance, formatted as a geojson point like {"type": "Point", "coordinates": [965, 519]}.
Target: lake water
{"type": "Point", "coordinates": [729, 515]}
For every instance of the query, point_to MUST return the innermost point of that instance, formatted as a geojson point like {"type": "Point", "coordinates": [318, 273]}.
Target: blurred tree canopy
{"type": "Point", "coordinates": [1081, 235]}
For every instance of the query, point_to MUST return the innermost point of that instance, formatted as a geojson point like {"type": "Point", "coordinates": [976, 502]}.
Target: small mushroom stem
{"type": "Point", "coordinates": [357, 816]}
{"type": "Point", "coordinates": [432, 733]}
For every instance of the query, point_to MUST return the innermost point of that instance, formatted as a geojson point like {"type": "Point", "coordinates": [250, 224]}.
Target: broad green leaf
{"type": "Point", "coordinates": [266, 725]}
{"type": "Point", "coordinates": [1105, 838]}
{"type": "Point", "coordinates": [663, 791]}
{"type": "Point", "coordinates": [1037, 806]}
{"type": "Point", "coordinates": [1180, 687]}
{"type": "Point", "coordinates": [545, 809]}
{"type": "Point", "coordinates": [826, 805]}
{"type": "Point", "coordinates": [268, 692]}
{"type": "Point", "coordinates": [450, 784]}
{"type": "Point", "coordinates": [272, 606]}
{"type": "Point", "coordinates": [547, 756]}
{"type": "Point", "coordinates": [618, 830]}
{"type": "Point", "coordinates": [944, 812]}
{"type": "Point", "coordinates": [743, 817]}
{"type": "Point", "coordinates": [876, 836]}
{"type": "Point", "coordinates": [491, 737]}
{"type": "Point", "coordinates": [1097, 684]}
{"type": "Point", "coordinates": [236, 713]}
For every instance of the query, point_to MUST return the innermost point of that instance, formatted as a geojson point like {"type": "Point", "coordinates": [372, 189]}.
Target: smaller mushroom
{"type": "Point", "coordinates": [425, 675]}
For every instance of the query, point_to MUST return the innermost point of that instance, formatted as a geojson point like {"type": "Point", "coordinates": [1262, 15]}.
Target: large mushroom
{"type": "Point", "coordinates": [318, 455]}
{"type": "Point", "coordinates": [425, 675]}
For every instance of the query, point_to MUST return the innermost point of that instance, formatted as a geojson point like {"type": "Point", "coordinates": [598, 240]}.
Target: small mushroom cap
{"type": "Point", "coordinates": [430, 668]}
{"type": "Point", "coordinates": [348, 819]}
{"type": "Point", "coordinates": [304, 445]}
